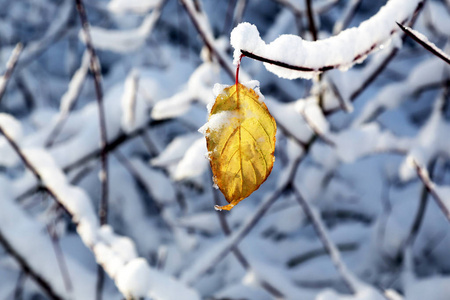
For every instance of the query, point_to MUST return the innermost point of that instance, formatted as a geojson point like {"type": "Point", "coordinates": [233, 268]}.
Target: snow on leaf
{"type": "Point", "coordinates": [240, 136]}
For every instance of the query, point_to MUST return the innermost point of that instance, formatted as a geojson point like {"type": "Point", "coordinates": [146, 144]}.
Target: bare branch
{"type": "Point", "coordinates": [331, 248]}
{"type": "Point", "coordinates": [207, 39]}
{"type": "Point", "coordinates": [312, 23]}
{"type": "Point", "coordinates": [237, 253]}
{"type": "Point", "coordinates": [95, 67]}
{"type": "Point", "coordinates": [347, 15]}
{"type": "Point", "coordinates": [46, 286]}
{"type": "Point", "coordinates": [317, 130]}
{"type": "Point", "coordinates": [60, 257]}
{"type": "Point", "coordinates": [238, 236]}
{"type": "Point", "coordinates": [68, 100]}
{"type": "Point", "coordinates": [431, 187]}
{"type": "Point", "coordinates": [229, 16]}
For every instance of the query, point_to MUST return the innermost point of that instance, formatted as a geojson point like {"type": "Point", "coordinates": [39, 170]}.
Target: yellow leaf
{"type": "Point", "coordinates": [240, 137]}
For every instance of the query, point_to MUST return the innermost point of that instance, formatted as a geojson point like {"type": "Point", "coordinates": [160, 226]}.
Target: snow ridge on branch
{"type": "Point", "coordinates": [291, 57]}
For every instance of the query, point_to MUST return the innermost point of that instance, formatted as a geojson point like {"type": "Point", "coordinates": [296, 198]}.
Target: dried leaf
{"type": "Point", "coordinates": [240, 137]}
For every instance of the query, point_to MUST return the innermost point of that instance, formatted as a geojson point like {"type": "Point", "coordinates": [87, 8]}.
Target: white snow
{"type": "Point", "coordinates": [133, 106]}
{"type": "Point", "coordinates": [11, 126]}
{"type": "Point", "coordinates": [114, 253]}
{"type": "Point", "coordinates": [123, 41]}
{"type": "Point", "coordinates": [163, 232]}
{"type": "Point", "coordinates": [194, 162]}
{"type": "Point", "coordinates": [135, 6]}
{"type": "Point", "coordinates": [175, 150]}
{"type": "Point", "coordinates": [156, 182]}
{"type": "Point", "coordinates": [198, 88]}
{"type": "Point", "coordinates": [218, 121]}
{"type": "Point", "coordinates": [70, 96]}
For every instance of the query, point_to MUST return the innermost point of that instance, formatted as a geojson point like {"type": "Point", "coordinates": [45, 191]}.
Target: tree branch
{"type": "Point", "coordinates": [46, 286]}
{"type": "Point", "coordinates": [331, 248]}
{"type": "Point", "coordinates": [10, 66]}
{"type": "Point", "coordinates": [431, 187]}
{"type": "Point", "coordinates": [423, 41]}
{"type": "Point", "coordinates": [207, 40]}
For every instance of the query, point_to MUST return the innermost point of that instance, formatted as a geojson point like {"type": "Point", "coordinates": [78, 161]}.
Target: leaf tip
{"type": "Point", "coordinates": [224, 207]}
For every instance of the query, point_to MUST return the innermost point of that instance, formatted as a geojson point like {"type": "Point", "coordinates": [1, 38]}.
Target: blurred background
{"type": "Point", "coordinates": [354, 212]}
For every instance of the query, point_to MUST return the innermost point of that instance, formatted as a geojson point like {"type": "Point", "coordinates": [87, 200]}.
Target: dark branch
{"type": "Point", "coordinates": [95, 67]}
{"type": "Point", "coordinates": [206, 40]}
{"type": "Point", "coordinates": [426, 44]}
{"type": "Point", "coordinates": [46, 287]}
{"type": "Point", "coordinates": [286, 65]}
{"type": "Point", "coordinates": [312, 24]}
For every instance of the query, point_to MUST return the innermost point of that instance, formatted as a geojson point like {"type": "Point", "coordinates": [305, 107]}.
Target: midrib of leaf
{"type": "Point", "coordinates": [238, 107]}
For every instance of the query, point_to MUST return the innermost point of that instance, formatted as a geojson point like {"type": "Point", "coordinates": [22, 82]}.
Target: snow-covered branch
{"type": "Point", "coordinates": [292, 57]}
{"type": "Point", "coordinates": [117, 255]}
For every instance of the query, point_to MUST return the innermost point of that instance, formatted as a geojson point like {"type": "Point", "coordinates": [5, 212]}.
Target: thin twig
{"type": "Point", "coordinates": [420, 213]}
{"type": "Point", "coordinates": [18, 291]}
{"type": "Point", "coordinates": [240, 11]}
{"type": "Point", "coordinates": [10, 65]}
{"type": "Point", "coordinates": [346, 16]}
{"type": "Point", "coordinates": [57, 30]}
{"type": "Point", "coordinates": [229, 16]}
{"type": "Point", "coordinates": [60, 257]}
{"type": "Point", "coordinates": [431, 187]}
{"type": "Point", "coordinates": [95, 67]}
{"type": "Point", "coordinates": [206, 39]}
{"type": "Point", "coordinates": [425, 43]}
{"type": "Point", "coordinates": [111, 146]}
{"type": "Point", "coordinates": [69, 99]}
{"type": "Point", "coordinates": [298, 14]}
{"type": "Point", "coordinates": [237, 253]}
{"type": "Point", "coordinates": [316, 129]}
{"type": "Point", "coordinates": [342, 102]}
{"type": "Point", "coordinates": [238, 236]}
{"type": "Point", "coordinates": [312, 23]}
{"type": "Point", "coordinates": [46, 286]}
{"type": "Point", "coordinates": [331, 248]}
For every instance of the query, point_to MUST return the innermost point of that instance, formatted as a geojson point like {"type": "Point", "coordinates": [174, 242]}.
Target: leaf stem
{"type": "Point", "coordinates": [237, 69]}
